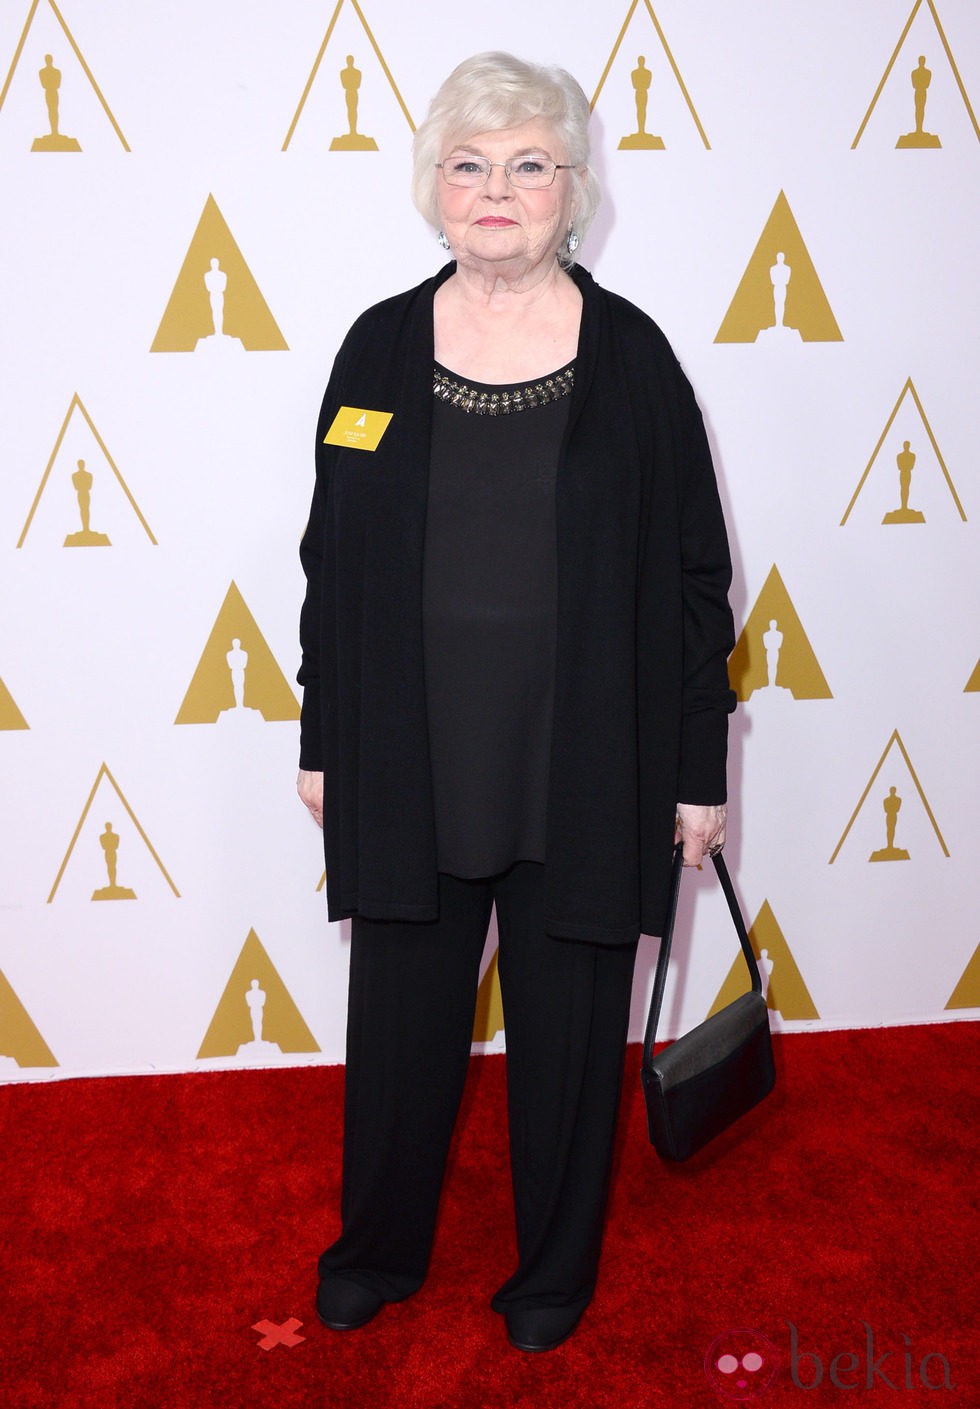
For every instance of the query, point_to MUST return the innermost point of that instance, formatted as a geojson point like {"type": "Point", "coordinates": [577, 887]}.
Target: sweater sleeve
{"type": "Point", "coordinates": [308, 675]}
{"type": "Point", "coordinates": [370, 343]}
{"type": "Point", "coordinates": [313, 556]}
{"type": "Point", "coordinates": [706, 574]}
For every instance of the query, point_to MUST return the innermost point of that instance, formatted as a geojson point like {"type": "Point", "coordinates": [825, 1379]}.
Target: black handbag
{"type": "Point", "coordinates": [701, 1083]}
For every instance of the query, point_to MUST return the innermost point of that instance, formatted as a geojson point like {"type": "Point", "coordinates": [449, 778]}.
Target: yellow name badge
{"type": "Point", "coordinates": [357, 429]}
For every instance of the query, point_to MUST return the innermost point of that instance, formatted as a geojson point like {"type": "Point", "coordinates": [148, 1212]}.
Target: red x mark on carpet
{"type": "Point", "coordinates": [273, 1335]}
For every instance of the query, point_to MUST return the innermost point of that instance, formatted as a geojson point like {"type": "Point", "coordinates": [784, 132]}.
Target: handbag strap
{"type": "Point", "coordinates": [663, 958]}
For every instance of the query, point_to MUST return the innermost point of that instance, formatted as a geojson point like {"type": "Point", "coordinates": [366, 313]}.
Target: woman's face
{"type": "Point", "coordinates": [497, 224]}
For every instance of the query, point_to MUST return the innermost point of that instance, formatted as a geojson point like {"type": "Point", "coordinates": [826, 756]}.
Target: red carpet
{"type": "Point", "coordinates": [150, 1222]}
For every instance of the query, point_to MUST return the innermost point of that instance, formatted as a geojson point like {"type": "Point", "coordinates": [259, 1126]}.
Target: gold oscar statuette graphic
{"type": "Point", "coordinates": [489, 1017]}
{"type": "Point", "coordinates": [256, 1017]}
{"type": "Point", "coordinates": [82, 483]}
{"type": "Point", "coordinates": [53, 141]}
{"type": "Point", "coordinates": [966, 994]}
{"type": "Point", "coordinates": [21, 1044]}
{"type": "Point", "coordinates": [49, 77]}
{"type": "Point", "coordinates": [109, 841]}
{"type": "Point", "coordinates": [891, 806]}
{"type": "Point", "coordinates": [350, 80]}
{"type": "Point", "coordinates": [237, 680]}
{"type": "Point", "coordinates": [921, 78]}
{"type": "Point", "coordinates": [10, 715]}
{"type": "Point", "coordinates": [641, 79]}
{"type": "Point", "coordinates": [352, 140]}
{"type": "Point", "coordinates": [773, 657]}
{"type": "Point", "coordinates": [780, 298]}
{"type": "Point", "coordinates": [216, 306]}
{"type": "Point", "coordinates": [891, 803]}
{"type": "Point", "coordinates": [905, 461]}
{"type": "Point", "coordinates": [641, 140]}
{"type": "Point", "coordinates": [782, 983]}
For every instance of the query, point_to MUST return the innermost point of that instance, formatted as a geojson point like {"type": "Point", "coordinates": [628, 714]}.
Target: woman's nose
{"type": "Point", "coordinates": [498, 183]}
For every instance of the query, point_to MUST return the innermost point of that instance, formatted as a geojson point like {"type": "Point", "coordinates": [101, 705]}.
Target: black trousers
{"type": "Point", "coordinates": [410, 1020]}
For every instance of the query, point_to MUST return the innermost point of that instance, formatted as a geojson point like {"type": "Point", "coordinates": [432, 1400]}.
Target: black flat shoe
{"type": "Point", "coordinates": [344, 1305]}
{"type": "Point", "coordinates": [536, 1328]}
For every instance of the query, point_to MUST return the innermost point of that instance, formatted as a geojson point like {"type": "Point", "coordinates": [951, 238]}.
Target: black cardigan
{"type": "Point", "coordinates": [644, 627]}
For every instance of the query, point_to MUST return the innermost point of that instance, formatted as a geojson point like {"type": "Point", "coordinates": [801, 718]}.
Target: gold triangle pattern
{"type": "Point", "coordinates": [20, 1040]}
{"type": "Point", "coordinates": [10, 715]}
{"type": "Point", "coordinates": [966, 994]}
{"type": "Point", "coordinates": [237, 674]}
{"type": "Point", "coordinates": [76, 404]}
{"type": "Point", "coordinates": [256, 1015]}
{"type": "Point", "coordinates": [670, 59]}
{"type": "Point", "coordinates": [773, 651]}
{"type": "Point", "coordinates": [907, 390]}
{"type": "Point", "coordinates": [319, 59]}
{"type": "Point", "coordinates": [489, 1018]}
{"type": "Point", "coordinates": [786, 991]}
{"type": "Point", "coordinates": [216, 305]}
{"type": "Point", "coordinates": [780, 283]}
{"type": "Point", "coordinates": [105, 773]}
{"type": "Point", "coordinates": [78, 55]}
{"type": "Point", "coordinates": [894, 741]}
{"type": "Point", "coordinates": [891, 63]}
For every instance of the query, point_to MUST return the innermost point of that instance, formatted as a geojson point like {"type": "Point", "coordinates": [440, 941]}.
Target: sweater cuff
{"type": "Point", "coordinates": [701, 778]}
{"type": "Point", "coordinates": [311, 730]}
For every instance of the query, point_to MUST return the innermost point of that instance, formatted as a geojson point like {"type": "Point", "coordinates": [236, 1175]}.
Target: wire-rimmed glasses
{"type": "Point", "coordinates": [530, 172]}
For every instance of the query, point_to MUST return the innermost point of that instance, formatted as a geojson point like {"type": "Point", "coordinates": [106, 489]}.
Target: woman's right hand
{"type": "Point", "coordinates": [310, 788]}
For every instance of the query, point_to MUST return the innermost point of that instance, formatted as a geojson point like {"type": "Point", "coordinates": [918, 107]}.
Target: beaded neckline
{"type": "Point", "coordinates": [480, 400]}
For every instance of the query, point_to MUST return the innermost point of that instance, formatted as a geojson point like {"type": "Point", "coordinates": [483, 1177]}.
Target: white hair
{"type": "Point", "coordinates": [493, 91]}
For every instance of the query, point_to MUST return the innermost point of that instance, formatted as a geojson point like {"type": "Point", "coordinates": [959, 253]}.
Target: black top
{"type": "Point", "coordinates": [643, 626]}
{"type": "Point", "coordinates": [489, 600]}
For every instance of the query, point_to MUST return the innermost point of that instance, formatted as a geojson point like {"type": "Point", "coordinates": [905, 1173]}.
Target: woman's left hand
{"type": "Point", "coordinates": [701, 829]}
{"type": "Point", "coordinates": [309, 785]}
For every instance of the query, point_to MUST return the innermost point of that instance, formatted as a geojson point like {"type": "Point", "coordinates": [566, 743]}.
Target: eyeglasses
{"type": "Point", "coordinates": [528, 172]}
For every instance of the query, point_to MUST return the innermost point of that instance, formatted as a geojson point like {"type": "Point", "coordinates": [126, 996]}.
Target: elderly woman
{"type": "Point", "coordinates": [515, 694]}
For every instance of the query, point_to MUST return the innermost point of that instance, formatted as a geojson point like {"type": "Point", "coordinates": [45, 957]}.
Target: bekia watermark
{"type": "Point", "coordinates": [744, 1365]}
{"type": "Point", "coordinates": [848, 1370]}
{"type": "Point", "coordinates": [741, 1364]}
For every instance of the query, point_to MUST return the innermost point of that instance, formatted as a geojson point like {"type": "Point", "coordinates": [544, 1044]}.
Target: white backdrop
{"type": "Point", "coordinates": [205, 132]}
